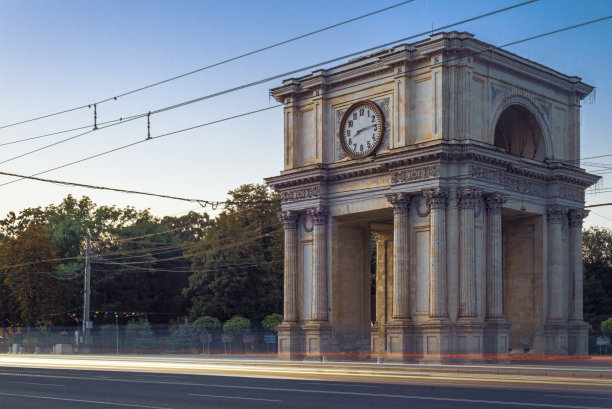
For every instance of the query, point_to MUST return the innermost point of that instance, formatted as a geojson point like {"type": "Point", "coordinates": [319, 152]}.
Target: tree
{"type": "Point", "coordinates": [28, 264]}
{"type": "Point", "coordinates": [272, 321]}
{"type": "Point", "coordinates": [237, 266]}
{"type": "Point", "coordinates": [606, 327]}
{"type": "Point", "coordinates": [237, 326]}
{"type": "Point", "coordinates": [205, 324]}
{"type": "Point", "coordinates": [597, 262]}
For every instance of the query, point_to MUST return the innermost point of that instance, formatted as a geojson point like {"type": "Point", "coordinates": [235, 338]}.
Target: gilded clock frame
{"type": "Point", "coordinates": [372, 150]}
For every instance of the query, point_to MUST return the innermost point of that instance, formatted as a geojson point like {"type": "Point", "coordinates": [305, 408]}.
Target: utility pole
{"type": "Point", "coordinates": [86, 294]}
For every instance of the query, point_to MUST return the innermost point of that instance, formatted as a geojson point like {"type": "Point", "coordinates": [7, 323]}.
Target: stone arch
{"type": "Point", "coordinates": [521, 128]}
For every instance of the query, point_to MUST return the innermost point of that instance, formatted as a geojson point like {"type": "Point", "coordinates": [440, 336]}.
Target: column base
{"type": "Point", "coordinates": [401, 341]}
{"type": "Point", "coordinates": [290, 341]}
{"type": "Point", "coordinates": [497, 340]}
{"type": "Point", "coordinates": [555, 332]}
{"type": "Point", "coordinates": [318, 337]}
{"type": "Point", "coordinates": [378, 343]}
{"type": "Point", "coordinates": [578, 338]}
{"type": "Point", "coordinates": [436, 340]}
{"type": "Point", "coordinates": [470, 343]}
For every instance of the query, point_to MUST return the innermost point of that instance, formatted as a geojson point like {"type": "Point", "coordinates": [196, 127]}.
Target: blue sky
{"type": "Point", "coordinates": [57, 55]}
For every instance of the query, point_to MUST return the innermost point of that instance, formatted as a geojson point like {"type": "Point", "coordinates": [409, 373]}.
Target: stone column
{"type": "Point", "coordinates": [555, 329]}
{"type": "Point", "coordinates": [401, 256]}
{"type": "Point", "coordinates": [437, 199]}
{"type": "Point", "coordinates": [436, 330]}
{"type": "Point", "coordinates": [467, 201]}
{"type": "Point", "coordinates": [577, 329]}
{"type": "Point", "coordinates": [496, 333]}
{"type": "Point", "coordinates": [556, 215]}
{"type": "Point", "coordinates": [495, 290]}
{"type": "Point", "coordinates": [576, 216]}
{"type": "Point", "coordinates": [319, 264]}
{"type": "Point", "coordinates": [289, 220]}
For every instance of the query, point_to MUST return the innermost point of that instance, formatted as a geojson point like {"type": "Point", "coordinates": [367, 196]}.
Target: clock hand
{"type": "Point", "coordinates": [363, 129]}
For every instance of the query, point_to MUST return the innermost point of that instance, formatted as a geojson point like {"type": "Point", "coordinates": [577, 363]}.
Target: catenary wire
{"type": "Point", "coordinates": [114, 98]}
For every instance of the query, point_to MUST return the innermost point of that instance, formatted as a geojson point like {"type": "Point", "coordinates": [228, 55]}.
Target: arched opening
{"type": "Point", "coordinates": [518, 132]}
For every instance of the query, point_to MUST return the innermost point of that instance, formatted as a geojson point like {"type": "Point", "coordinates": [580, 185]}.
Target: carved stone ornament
{"type": "Point", "coordinates": [495, 202]}
{"type": "Point", "coordinates": [467, 197]}
{"type": "Point", "coordinates": [409, 175]}
{"type": "Point", "coordinates": [496, 90]}
{"type": "Point", "coordinates": [306, 193]}
{"type": "Point", "coordinates": [577, 216]}
{"type": "Point", "coordinates": [509, 182]}
{"type": "Point", "coordinates": [399, 201]}
{"type": "Point", "coordinates": [289, 219]}
{"type": "Point", "coordinates": [318, 215]}
{"type": "Point", "coordinates": [556, 214]}
{"type": "Point", "coordinates": [419, 203]}
{"type": "Point", "coordinates": [436, 198]}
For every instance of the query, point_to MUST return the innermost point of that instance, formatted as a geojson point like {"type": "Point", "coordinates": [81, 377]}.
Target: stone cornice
{"type": "Point", "coordinates": [424, 162]}
{"type": "Point", "coordinates": [452, 44]}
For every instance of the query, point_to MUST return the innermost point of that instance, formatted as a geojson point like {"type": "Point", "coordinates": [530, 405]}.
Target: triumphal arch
{"type": "Point", "coordinates": [432, 202]}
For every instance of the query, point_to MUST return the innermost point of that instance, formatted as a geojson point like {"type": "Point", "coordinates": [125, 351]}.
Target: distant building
{"type": "Point", "coordinates": [462, 159]}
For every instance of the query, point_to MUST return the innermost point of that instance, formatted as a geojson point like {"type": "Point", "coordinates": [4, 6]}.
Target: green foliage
{"type": "Point", "coordinates": [597, 261]}
{"type": "Point", "coordinates": [237, 326]}
{"type": "Point", "coordinates": [140, 335]}
{"type": "Point", "coordinates": [237, 266]}
{"type": "Point", "coordinates": [606, 327]}
{"type": "Point", "coordinates": [205, 324]}
{"type": "Point", "coordinates": [181, 337]}
{"type": "Point", "coordinates": [272, 321]}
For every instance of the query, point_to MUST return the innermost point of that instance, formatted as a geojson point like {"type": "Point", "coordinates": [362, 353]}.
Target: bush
{"type": "Point", "coordinates": [205, 324]}
{"type": "Point", "coordinates": [606, 327]}
{"type": "Point", "coordinates": [181, 337]}
{"type": "Point", "coordinates": [272, 321]}
{"type": "Point", "coordinates": [237, 326]}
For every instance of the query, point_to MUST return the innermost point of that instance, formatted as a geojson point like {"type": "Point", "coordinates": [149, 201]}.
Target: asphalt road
{"type": "Point", "coordinates": [22, 388]}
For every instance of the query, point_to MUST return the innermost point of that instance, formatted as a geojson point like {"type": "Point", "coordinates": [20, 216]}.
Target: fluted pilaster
{"type": "Point", "coordinates": [289, 220]}
{"type": "Point", "coordinates": [319, 264]}
{"type": "Point", "coordinates": [495, 291]}
{"type": "Point", "coordinates": [437, 200]}
{"type": "Point", "coordinates": [556, 215]}
{"type": "Point", "coordinates": [467, 199]}
{"type": "Point", "coordinates": [401, 257]}
{"type": "Point", "coordinates": [576, 217]}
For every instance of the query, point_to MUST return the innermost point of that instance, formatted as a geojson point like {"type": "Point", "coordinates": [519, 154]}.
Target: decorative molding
{"type": "Point", "coordinates": [571, 193]}
{"type": "Point", "coordinates": [318, 216]}
{"type": "Point", "coordinates": [556, 214]}
{"type": "Point", "coordinates": [301, 194]}
{"type": "Point", "coordinates": [494, 202]}
{"type": "Point", "coordinates": [409, 175]}
{"type": "Point", "coordinates": [436, 198]}
{"type": "Point", "coordinates": [577, 216]}
{"type": "Point", "coordinates": [513, 183]}
{"type": "Point", "coordinates": [496, 90]}
{"type": "Point", "coordinates": [420, 213]}
{"type": "Point", "coordinates": [305, 220]}
{"type": "Point", "coordinates": [467, 197]}
{"type": "Point", "coordinates": [289, 219]}
{"type": "Point", "coordinates": [399, 201]}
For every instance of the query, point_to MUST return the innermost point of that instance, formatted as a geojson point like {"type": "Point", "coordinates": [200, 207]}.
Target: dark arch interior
{"type": "Point", "coordinates": [518, 132]}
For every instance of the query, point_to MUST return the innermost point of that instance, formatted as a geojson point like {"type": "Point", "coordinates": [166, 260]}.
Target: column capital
{"type": "Point", "coordinates": [577, 216]}
{"type": "Point", "coordinates": [399, 201]}
{"type": "Point", "coordinates": [468, 197]}
{"type": "Point", "coordinates": [436, 198]}
{"type": "Point", "coordinates": [555, 214]}
{"type": "Point", "coordinates": [494, 202]}
{"type": "Point", "coordinates": [318, 215]}
{"type": "Point", "coordinates": [289, 218]}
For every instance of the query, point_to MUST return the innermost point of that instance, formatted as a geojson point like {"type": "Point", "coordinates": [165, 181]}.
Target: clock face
{"type": "Point", "coordinates": [361, 129]}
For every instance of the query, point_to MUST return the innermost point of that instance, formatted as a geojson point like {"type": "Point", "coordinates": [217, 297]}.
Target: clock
{"type": "Point", "coordinates": [361, 129]}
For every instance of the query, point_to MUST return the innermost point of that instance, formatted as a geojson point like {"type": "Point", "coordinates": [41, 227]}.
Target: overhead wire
{"type": "Point", "coordinates": [115, 97]}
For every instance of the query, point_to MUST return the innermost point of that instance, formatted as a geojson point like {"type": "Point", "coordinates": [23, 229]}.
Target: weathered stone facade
{"type": "Point", "coordinates": [475, 197]}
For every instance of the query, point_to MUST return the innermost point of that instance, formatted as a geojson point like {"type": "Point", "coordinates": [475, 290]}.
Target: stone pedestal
{"type": "Point", "coordinates": [555, 332]}
{"type": "Point", "coordinates": [470, 338]}
{"type": "Point", "coordinates": [436, 340]}
{"type": "Point", "coordinates": [290, 341]}
{"type": "Point", "coordinates": [401, 345]}
{"type": "Point", "coordinates": [497, 340]}
{"type": "Point", "coordinates": [317, 338]}
{"type": "Point", "coordinates": [577, 338]}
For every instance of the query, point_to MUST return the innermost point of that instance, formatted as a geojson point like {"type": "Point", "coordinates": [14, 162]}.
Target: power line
{"type": "Point", "coordinates": [262, 81]}
{"type": "Point", "coordinates": [114, 98]}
